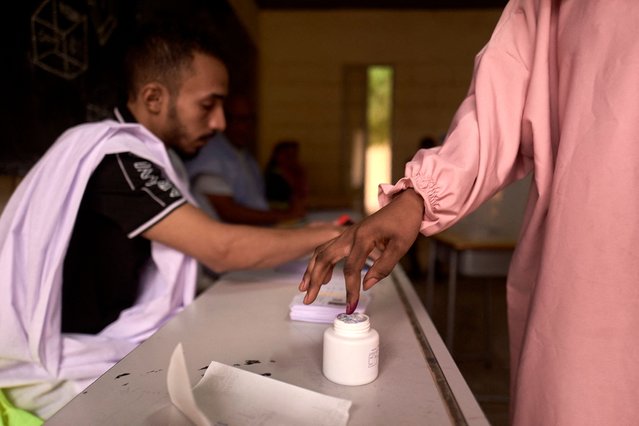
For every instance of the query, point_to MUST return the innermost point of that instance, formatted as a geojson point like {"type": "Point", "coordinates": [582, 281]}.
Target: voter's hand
{"type": "Point", "coordinates": [385, 236]}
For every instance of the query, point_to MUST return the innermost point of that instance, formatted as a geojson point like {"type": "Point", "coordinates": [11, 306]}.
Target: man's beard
{"type": "Point", "coordinates": [176, 133]}
{"type": "Point", "coordinates": [186, 156]}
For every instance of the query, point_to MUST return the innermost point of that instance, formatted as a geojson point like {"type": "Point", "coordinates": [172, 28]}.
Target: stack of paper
{"type": "Point", "coordinates": [330, 302]}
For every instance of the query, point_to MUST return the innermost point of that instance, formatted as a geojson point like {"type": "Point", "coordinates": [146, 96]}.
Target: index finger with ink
{"type": "Point", "coordinates": [353, 266]}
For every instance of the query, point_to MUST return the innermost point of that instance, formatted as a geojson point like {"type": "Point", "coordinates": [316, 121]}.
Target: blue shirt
{"type": "Point", "coordinates": [222, 169]}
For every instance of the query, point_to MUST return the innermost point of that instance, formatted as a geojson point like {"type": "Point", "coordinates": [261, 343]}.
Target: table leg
{"type": "Point", "coordinates": [452, 292]}
{"type": "Point", "coordinates": [488, 321]}
{"type": "Point", "coordinates": [430, 281]}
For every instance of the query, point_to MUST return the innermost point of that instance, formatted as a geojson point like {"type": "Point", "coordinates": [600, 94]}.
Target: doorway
{"type": "Point", "coordinates": [368, 130]}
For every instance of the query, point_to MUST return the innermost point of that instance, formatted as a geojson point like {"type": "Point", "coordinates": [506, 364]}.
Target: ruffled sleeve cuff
{"type": "Point", "coordinates": [386, 191]}
{"type": "Point", "coordinates": [425, 187]}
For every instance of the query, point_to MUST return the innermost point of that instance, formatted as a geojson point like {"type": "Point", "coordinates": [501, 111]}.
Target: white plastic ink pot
{"type": "Point", "coordinates": [351, 350]}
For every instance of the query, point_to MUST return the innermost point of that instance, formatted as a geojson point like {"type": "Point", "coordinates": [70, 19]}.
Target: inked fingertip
{"type": "Point", "coordinates": [350, 308]}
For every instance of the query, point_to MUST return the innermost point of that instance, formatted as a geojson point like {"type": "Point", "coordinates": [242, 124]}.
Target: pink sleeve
{"type": "Point", "coordinates": [482, 152]}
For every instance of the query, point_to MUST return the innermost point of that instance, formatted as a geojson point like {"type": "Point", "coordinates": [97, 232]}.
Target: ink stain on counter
{"type": "Point", "coordinates": [252, 361]}
{"type": "Point", "coordinates": [122, 375]}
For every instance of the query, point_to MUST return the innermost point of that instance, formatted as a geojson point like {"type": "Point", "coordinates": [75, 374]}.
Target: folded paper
{"type": "Point", "coordinates": [231, 396]}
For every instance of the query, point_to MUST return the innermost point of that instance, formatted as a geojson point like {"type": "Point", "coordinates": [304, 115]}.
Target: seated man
{"type": "Point", "coordinates": [227, 180]}
{"type": "Point", "coordinates": [100, 242]}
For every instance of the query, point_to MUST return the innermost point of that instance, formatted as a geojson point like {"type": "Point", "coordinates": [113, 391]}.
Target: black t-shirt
{"type": "Point", "coordinates": [125, 196]}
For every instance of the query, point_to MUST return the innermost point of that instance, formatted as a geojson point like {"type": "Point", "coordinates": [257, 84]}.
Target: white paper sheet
{"type": "Point", "coordinates": [231, 396]}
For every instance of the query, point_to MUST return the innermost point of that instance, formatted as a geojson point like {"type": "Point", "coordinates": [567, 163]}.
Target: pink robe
{"type": "Point", "coordinates": [555, 92]}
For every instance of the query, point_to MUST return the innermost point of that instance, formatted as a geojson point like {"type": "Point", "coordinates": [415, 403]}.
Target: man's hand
{"type": "Point", "coordinates": [385, 236]}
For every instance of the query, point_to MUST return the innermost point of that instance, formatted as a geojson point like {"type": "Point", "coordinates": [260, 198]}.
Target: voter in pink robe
{"type": "Point", "coordinates": [555, 94]}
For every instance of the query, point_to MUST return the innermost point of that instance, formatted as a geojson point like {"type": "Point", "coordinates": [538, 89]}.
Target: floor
{"type": "Point", "coordinates": [483, 365]}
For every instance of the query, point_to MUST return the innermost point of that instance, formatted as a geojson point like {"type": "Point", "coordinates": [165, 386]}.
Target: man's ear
{"type": "Point", "coordinates": [154, 96]}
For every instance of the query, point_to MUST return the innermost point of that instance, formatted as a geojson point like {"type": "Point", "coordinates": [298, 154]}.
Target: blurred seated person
{"type": "Point", "coordinates": [227, 180]}
{"type": "Point", "coordinates": [285, 177]}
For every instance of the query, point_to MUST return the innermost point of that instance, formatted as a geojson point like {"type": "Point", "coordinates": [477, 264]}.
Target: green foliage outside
{"type": "Point", "coordinates": [380, 98]}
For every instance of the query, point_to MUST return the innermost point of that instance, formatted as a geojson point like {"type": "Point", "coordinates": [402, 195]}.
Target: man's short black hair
{"type": "Point", "coordinates": [160, 52]}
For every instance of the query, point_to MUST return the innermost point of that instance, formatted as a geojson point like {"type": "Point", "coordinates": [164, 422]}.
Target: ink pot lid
{"type": "Point", "coordinates": [354, 323]}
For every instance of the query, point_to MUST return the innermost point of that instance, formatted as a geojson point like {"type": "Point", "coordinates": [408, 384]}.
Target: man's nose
{"type": "Point", "coordinates": [218, 121]}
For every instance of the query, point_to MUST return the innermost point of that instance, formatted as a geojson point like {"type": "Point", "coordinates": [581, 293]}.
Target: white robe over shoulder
{"type": "Point", "coordinates": [35, 229]}
{"type": "Point", "coordinates": [555, 92]}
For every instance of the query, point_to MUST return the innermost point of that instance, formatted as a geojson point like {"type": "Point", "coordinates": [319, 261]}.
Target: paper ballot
{"type": "Point", "coordinates": [331, 301]}
{"type": "Point", "coordinates": [231, 396]}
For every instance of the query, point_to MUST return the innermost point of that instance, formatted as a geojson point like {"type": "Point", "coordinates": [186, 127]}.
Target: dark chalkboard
{"type": "Point", "coordinates": [60, 61]}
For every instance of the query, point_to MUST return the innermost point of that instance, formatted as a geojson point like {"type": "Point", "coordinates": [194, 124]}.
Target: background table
{"type": "Point", "coordinates": [243, 320]}
{"type": "Point", "coordinates": [470, 251]}
{"type": "Point", "coordinates": [479, 245]}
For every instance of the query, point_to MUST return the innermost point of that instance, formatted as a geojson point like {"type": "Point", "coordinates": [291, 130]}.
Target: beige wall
{"type": "Point", "coordinates": [302, 60]}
